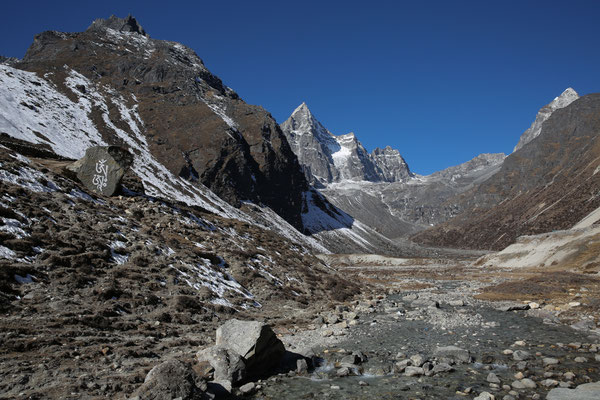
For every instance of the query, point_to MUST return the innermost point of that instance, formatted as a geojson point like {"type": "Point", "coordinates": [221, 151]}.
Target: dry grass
{"type": "Point", "coordinates": [551, 287]}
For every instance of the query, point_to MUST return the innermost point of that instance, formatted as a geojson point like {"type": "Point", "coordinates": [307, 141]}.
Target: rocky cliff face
{"type": "Point", "coordinates": [549, 183]}
{"type": "Point", "coordinates": [566, 98]}
{"type": "Point", "coordinates": [192, 123]}
{"type": "Point", "coordinates": [378, 189]}
{"type": "Point", "coordinates": [327, 158]}
{"type": "Point", "coordinates": [391, 165]}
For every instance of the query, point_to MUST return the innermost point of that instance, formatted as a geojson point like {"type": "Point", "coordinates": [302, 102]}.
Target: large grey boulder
{"type": "Point", "coordinates": [102, 168]}
{"type": "Point", "coordinates": [170, 380]}
{"type": "Point", "coordinates": [228, 365]}
{"type": "Point", "coordinates": [587, 391]}
{"type": "Point", "coordinates": [254, 341]}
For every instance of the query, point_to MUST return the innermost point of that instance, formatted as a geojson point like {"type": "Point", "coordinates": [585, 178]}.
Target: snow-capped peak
{"type": "Point", "coordinates": [327, 158]}
{"type": "Point", "coordinates": [568, 96]}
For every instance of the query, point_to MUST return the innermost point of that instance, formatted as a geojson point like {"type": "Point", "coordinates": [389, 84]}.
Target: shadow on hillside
{"type": "Point", "coordinates": [319, 215]}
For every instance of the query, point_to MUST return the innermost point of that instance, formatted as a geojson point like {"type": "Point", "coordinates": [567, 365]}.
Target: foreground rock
{"type": "Point", "coordinates": [588, 391]}
{"type": "Point", "coordinates": [102, 168]}
{"type": "Point", "coordinates": [243, 350]}
{"type": "Point", "coordinates": [171, 380]}
{"type": "Point", "coordinates": [229, 367]}
{"type": "Point", "coordinates": [254, 341]}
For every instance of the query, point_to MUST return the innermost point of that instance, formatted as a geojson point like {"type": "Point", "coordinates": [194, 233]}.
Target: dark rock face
{"type": "Point", "coordinates": [566, 98]}
{"type": "Point", "coordinates": [550, 183]}
{"type": "Point", "coordinates": [192, 122]}
{"type": "Point", "coordinates": [8, 60]}
{"type": "Point", "coordinates": [102, 168]}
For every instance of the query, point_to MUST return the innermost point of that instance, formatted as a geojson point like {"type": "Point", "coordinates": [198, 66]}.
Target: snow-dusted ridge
{"type": "Point", "coordinates": [34, 110]}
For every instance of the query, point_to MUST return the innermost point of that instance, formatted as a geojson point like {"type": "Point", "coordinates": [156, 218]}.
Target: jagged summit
{"type": "Point", "coordinates": [328, 158]}
{"type": "Point", "coordinates": [568, 96]}
{"type": "Point", "coordinates": [127, 24]}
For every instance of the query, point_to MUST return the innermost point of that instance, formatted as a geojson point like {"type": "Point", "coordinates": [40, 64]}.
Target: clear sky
{"type": "Point", "coordinates": [441, 81]}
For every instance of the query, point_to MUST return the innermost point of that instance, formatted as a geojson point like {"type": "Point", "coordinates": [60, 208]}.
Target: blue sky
{"type": "Point", "coordinates": [441, 81]}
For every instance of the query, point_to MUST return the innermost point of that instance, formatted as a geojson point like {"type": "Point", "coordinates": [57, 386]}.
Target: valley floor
{"type": "Point", "coordinates": [520, 344]}
{"type": "Point", "coordinates": [414, 307]}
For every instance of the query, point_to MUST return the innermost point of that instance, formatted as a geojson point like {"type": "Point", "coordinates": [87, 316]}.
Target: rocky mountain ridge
{"type": "Point", "coordinates": [565, 98]}
{"type": "Point", "coordinates": [193, 139]}
{"type": "Point", "coordinates": [327, 158]}
{"type": "Point", "coordinates": [192, 123]}
{"type": "Point", "coordinates": [548, 184]}
{"type": "Point", "coordinates": [398, 209]}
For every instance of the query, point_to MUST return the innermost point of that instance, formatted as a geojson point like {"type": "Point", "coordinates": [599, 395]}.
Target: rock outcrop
{"type": "Point", "coordinates": [254, 341]}
{"type": "Point", "coordinates": [587, 391]}
{"type": "Point", "coordinates": [171, 380]}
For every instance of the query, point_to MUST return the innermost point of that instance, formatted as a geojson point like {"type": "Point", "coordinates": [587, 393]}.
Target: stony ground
{"type": "Point", "coordinates": [510, 349]}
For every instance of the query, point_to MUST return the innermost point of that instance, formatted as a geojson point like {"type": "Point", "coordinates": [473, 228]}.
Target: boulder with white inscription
{"type": "Point", "coordinates": [102, 168]}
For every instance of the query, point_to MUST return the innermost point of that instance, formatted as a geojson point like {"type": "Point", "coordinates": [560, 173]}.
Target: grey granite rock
{"type": "Point", "coordinates": [102, 168]}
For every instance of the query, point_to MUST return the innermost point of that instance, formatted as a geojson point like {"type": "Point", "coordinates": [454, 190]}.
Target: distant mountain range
{"type": "Point", "coordinates": [196, 141]}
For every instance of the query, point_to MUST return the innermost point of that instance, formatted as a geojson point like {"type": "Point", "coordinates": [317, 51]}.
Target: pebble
{"type": "Point", "coordinates": [334, 387]}
{"type": "Point", "coordinates": [417, 360]}
{"type": "Point", "coordinates": [580, 359]}
{"type": "Point", "coordinates": [414, 371]}
{"type": "Point", "coordinates": [528, 383]}
{"type": "Point", "coordinates": [550, 361]}
{"type": "Point", "coordinates": [363, 383]}
{"type": "Point", "coordinates": [519, 375]}
{"type": "Point", "coordinates": [534, 305]}
{"type": "Point", "coordinates": [522, 355]}
{"type": "Point", "coordinates": [248, 388]}
{"type": "Point", "coordinates": [485, 396]}
{"type": "Point", "coordinates": [493, 378]}
{"type": "Point", "coordinates": [549, 383]}
{"type": "Point", "coordinates": [569, 376]}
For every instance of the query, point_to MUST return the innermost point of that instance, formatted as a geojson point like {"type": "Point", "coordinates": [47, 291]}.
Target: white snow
{"type": "Point", "coordinates": [33, 110]}
{"type": "Point", "coordinates": [78, 194]}
{"type": "Point", "coordinates": [202, 274]}
{"type": "Point", "coordinates": [115, 252]}
{"type": "Point", "coordinates": [13, 227]}
{"type": "Point", "coordinates": [30, 179]}
{"type": "Point", "coordinates": [5, 252]}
